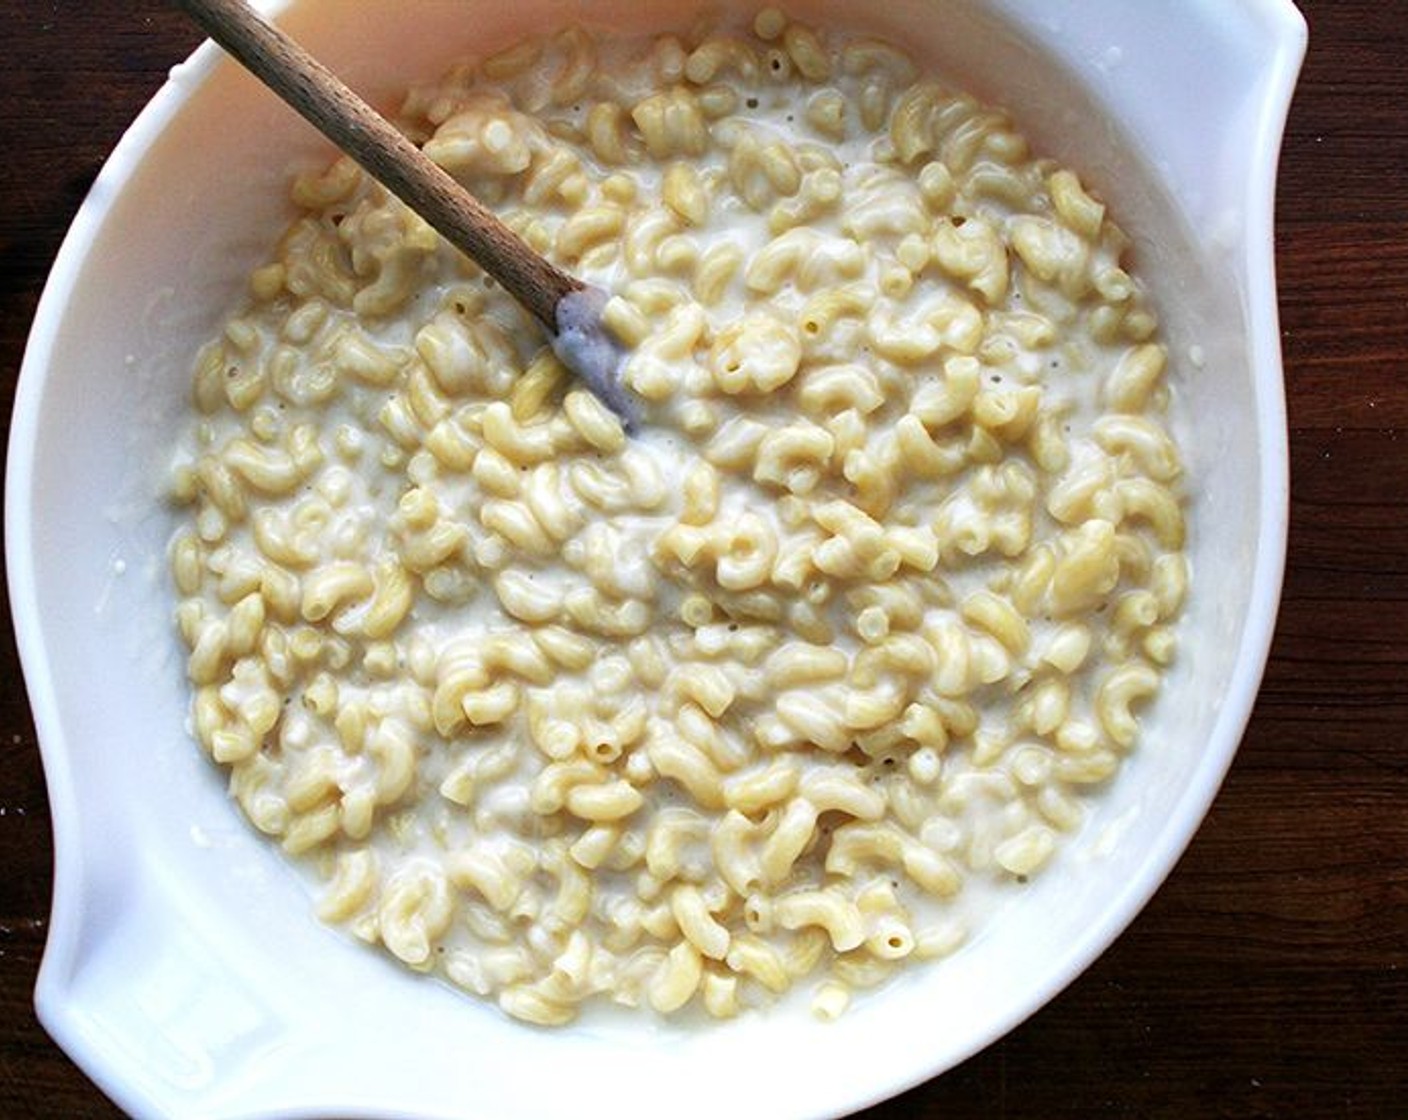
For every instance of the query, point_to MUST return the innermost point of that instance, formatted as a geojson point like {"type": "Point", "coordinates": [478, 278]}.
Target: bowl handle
{"type": "Point", "coordinates": [190, 1041]}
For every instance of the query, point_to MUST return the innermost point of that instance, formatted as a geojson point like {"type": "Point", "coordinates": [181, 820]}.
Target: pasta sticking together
{"type": "Point", "coordinates": [865, 613]}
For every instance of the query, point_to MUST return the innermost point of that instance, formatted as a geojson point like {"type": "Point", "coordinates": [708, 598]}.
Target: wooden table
{"type": "Point", "coordinates": [1269, 977]}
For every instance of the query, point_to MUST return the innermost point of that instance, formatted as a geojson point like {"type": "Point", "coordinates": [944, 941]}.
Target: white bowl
{"type": "Point", "coordinates": [184, 972]}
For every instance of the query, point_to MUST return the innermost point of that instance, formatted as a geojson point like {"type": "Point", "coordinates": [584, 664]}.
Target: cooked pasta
{"type": "Point", "coordinates": [859, 620]}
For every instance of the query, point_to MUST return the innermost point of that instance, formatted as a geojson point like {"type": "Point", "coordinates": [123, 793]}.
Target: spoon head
{"type": "Point", "coordinates": [585, 346]}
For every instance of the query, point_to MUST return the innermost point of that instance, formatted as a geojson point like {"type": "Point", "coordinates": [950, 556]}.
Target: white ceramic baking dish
{"type": "Point", "coordinates": [184, 972]}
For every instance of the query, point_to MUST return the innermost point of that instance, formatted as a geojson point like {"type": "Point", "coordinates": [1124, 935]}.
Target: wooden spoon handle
{"type": "Point", "coordinates": [361, 132]}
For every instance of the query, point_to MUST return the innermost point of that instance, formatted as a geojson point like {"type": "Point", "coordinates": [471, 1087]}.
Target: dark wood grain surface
{"type": "Point", "coordinates": [1269, 977]}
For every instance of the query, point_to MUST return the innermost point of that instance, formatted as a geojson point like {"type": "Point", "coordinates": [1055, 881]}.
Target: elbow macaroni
{"type": "Point", "coordinates": [859, 621]}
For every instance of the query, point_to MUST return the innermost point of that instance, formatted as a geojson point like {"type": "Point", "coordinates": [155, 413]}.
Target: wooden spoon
{"type": "Point", "coordinates": [567, 308]}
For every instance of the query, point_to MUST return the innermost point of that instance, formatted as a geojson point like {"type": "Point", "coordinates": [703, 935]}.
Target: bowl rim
{"type": "Point", "coordinates": [1286, 32]}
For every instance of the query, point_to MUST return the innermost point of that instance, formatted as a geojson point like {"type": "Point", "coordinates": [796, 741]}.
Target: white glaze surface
{"type": "Point", "coordinates": [149, 980]}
